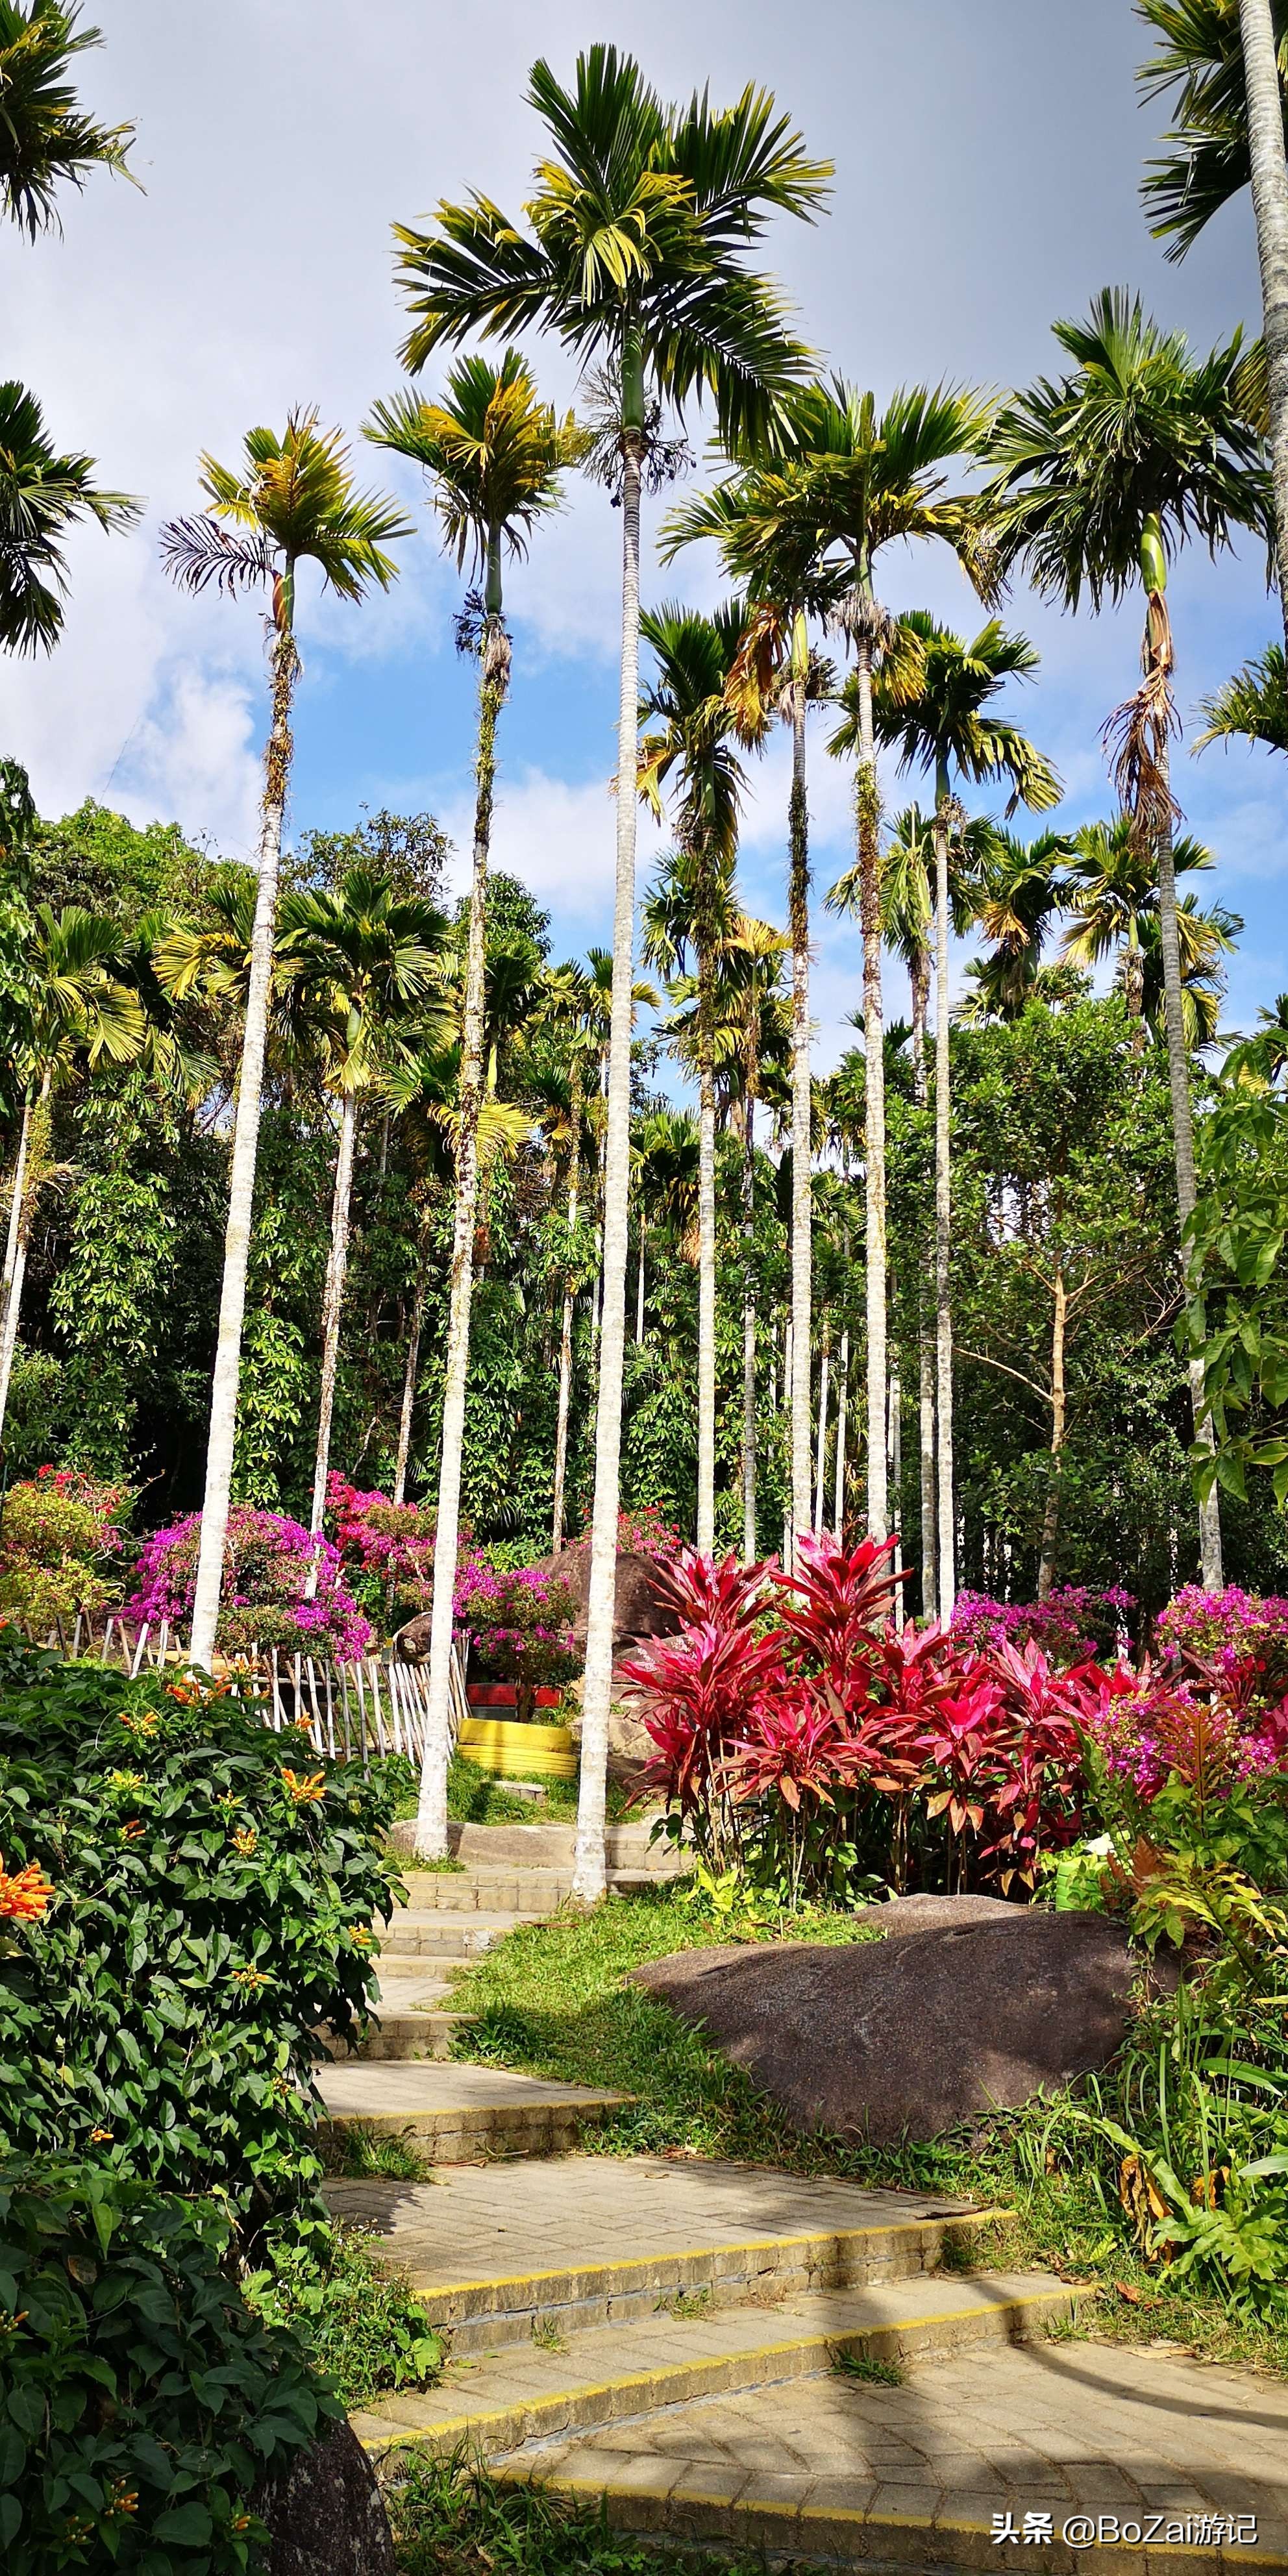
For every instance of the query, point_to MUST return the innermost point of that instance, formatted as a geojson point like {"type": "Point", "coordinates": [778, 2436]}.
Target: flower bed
{"type": "Point", "coordinates": [521, 1625]}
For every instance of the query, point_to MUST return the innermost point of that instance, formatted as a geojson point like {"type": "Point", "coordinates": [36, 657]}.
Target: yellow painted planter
{"type": "Point", "coordinates": [518, 1752]}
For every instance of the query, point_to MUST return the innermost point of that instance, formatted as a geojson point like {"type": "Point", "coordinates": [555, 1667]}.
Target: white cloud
{"type": "Point", "coordinates": [560, 839]}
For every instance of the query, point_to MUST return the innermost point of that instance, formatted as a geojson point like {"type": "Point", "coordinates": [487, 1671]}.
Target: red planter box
{"type": "Point", "coordinates": [504, 1695]}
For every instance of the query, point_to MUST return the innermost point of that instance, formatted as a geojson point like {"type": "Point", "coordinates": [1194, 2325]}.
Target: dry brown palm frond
{"type": "Point", "coordinates": [1137, 734]}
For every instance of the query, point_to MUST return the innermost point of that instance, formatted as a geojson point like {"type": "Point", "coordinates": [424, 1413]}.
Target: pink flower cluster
{"type": "Point", "coordinates": [1233, 1632]}
{"type": "Point", "coordinates": [267, 1562]}
{"type": "Point", "coordinates": [1073, 1623]}
{"type": "Point", "coordinates": [392, 1540]}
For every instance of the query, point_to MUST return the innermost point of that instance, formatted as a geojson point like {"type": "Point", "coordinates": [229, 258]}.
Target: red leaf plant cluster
{"type": "Point", "coordinates": [792, 1710]}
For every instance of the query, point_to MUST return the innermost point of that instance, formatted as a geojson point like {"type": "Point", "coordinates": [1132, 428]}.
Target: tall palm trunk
{"type": "Point", "coordinates": [1270, 205]}
{"type": "Point", "coordinates": [842, 1424]}
{"type": "Point", "coordinates": [565, 1335]}
{"type": "Point", "coordinates": [820, 1485]}
{"type": "Point", "coordinates": [1051, 1514]}
{"type": "Point", "coordinates": [874, 1140]}
{"type": "Point", "coordinates": [333, 1299]}
{"type": "Point", "coordinates": [222, 1438]}
{"type": "Point", "coordinates": [802, 1185]}
{"type": "Point", "coordinates": [431, 1813]}
{"type": "Point", "coordinates": [896, 1485]}
{"type": "Point", "coordinates": [410, 1375]}
{"type": "Point", "coordinates": [706, 1249]}
{"type": "Point", "coordinates": [946, 1547]}
{"type": "Point", "coordinates": [22, 1214]}
{"type": "Point", "coordinates": [749, 1298]}
{"type": "Point", "coordinates": [601, 1611]}
{"type": "Point", "coordinates": [1186, 1181]}
{"type": "Point", "coordinates": [926, 1349]}
{"type": "Point", "coordinates": [639, 1285]}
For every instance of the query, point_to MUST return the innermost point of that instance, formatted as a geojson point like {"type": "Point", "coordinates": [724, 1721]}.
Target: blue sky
{"type": "Point", "coordinates": [987, 166]}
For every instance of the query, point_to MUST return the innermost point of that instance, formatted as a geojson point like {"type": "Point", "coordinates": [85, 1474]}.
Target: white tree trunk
{"type": "Point", "coordinates": [431, 1812]}
{"type": "Point", "coordinates": [926, 1355]}
{"type": "Point", "coordinates": [15, 1257]}
{"type": "Point", "coordinates": [896, 1486]}
{"type": "Point", "coordinates": [749, 1333]}
{"type": "Point", "coordinates": [802, 1182]}
{"type": "Point", "coordinates": [639, 1288]}
{"type": "Point", "coordinates": [947, 1533]}
{"type": "Point", "coordinates": [222, 1439]}
{"type": "Point", "coordinates": [589, 1881]}
{"type": "Point", "coordinates": [842, 1423]}
{"type": "Point", "coordinates": [410, 1374]}
{"type": "Point", "coordinates": [706, 1532]}
{"type": "Point", "coordinates": [569, 1311]}
{"type": "Point", "coordinates": [333, 1302]}
{"type": "Point", "coordinates": [820, 1480]}
{"type": "Point", "coordinates": [1178, 1071]}
{"type": "Point", "coordinates": [1270, 205]}
{"type": "Point", "coordinates": [874, 1123]}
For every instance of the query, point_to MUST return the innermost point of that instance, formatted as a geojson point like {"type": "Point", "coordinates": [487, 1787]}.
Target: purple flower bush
{"type": "Point", "coordinates": [1073, 1624]}
{"type": "Point", "coordinates": [521, 1624]}
{"type": "Point", "coordinates": [267, 1561]}
{"type": "Point", "coordinates": [1234, 1633]}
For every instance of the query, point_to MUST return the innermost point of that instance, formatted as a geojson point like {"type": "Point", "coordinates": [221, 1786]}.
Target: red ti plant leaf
{"type": "Point", "coordinates": [834, 1606]}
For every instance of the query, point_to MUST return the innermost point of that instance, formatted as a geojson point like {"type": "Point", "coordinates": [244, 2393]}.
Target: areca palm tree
{"type": "Point", "coordinates": [1100, 478]}
{"type": "Point", "coordinates": [1254, 704]}
{"type": "Point", "coordinates": [862, 481]}
{"type": "Point", "coordinates": [42, 495]}
{"type": "Point", "coordinates": [1113, 894]}
{"type": "Point", "coordinates": [1021, 886]}
{"type": "Point", "coordinates": [635, 253]}
{"type": "Point", "coordinates": [567, 1009]}
{"type": "Point", "coordinates": [942, 724]}
{"type": "Point", "coordinates": [292, 501]}
{"type": "Point", "coordinates": [46, 139]}
{"type": "Point", "coordinates": [1225, 65]}
{"type": "Point", "coordinates": [369, 963]}
{"type": "Point", "coordinates": [690, 736]}
{"type": "Point", "coordinates": [493, 454]}
{"type": "Point", "coordinates": [777, 675]}
{"type": "Point", "coordinates": [77, 1006]}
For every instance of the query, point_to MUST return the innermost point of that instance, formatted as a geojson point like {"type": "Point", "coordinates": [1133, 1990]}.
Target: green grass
{"type": "Point", "coordinates": [866, 2367]}
{"type": "Point", "coordinates": [552, 1998]}
{"type": "Point", "coordinates": [478, 1797]}
{"type": "Point", "coordinates": [353, 2152]}
{"type": "Point", "coordinates": [450, 2518]}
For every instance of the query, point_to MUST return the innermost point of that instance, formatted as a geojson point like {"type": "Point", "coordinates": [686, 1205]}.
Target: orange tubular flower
{"type": "Point", "coordinates": [305, 1792]}
{"type": "Point", "coordinates": [24, 1898]}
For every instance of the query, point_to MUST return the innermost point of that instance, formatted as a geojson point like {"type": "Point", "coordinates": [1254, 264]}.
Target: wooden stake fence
{"type": "Point", "coordinates": [362, 1709]}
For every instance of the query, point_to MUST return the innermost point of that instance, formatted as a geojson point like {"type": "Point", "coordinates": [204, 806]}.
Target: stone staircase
{"type": "Point", "coordinates": [504, 1875]}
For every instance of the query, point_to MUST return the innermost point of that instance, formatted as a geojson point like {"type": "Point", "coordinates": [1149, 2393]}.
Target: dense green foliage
{"type": "Point", "coordinates": [212, 1907]}
{"type": "Point", "coordinates": [143, 2400]}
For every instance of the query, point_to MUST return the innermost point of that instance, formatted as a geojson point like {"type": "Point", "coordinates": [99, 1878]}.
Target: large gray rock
{"type": "Point", "coordinates": [910, 2035]}
{"type": "Point", "coordinates": [325, 2513]}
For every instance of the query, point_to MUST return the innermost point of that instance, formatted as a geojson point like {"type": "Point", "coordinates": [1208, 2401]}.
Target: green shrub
{"type": "Point", "coordinates": [58, 1537]}
{"type": "Point", "coordinates": [213, 1898]}
{"type": "Point", "coordinates": [356, 2316]}
{"type": "Point", "coordinates": [142, 2400]}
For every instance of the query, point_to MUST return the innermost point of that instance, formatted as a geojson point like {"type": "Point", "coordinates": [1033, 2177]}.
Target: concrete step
{"type": "Point", "coordinates": [551, 1846]}
{"type": "Point", "coordinates": [1132, 2454]}
{"type": "Point", "coordinates": [613, 2374]}
{"type": "Point", "coordinates": [881, 2241]}
{"type": "Point", "coordinates": [457, 2113]}
{"type": "Point", "coordinates": [423, 2032]}
{"type": "Point", "coordinates": [435, 1930]}
{"type": "Point", "coordinates": [500, 1890]}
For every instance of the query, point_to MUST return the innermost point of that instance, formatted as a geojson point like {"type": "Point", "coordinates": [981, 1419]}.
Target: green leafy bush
{"type": "Point", "coordinates": [58, 1537]}
{"type": "Point", "coordinates": [356, 2316]}
{"type": "Point", "coordinates": [142, 2401]}
{"type": "Point", "coordinates": [212, 1906]}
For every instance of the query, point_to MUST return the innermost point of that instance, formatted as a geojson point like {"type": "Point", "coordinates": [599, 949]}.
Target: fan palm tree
{"type": "Point", "coordinates": [46, 139]}
{"type": "Point", "coordinates": [1254, 703]}
{"type": "Point", "coordinates": [77, 1007]}
{"type": "Point", "coordinates": [493, 454]}
{"type": "Point", "coordinates": [292, 501]}
{"type": "Point", "coordinates": [776, 675]}
{"type": "Point", "coordinates": [690, 736]}
{"type": "Point", "coordinates": [1100, 478]}
{"type": "Point", "coordinates": [42, 495]}
{"type": "Point", "coordinates": [368, 963]}
{"type": "Point", "coordinates": [636, 255]}
{"type": "Point", "coordinates": [863, 481]}
{"type": "Point", "coordinates": [941, 724]}
{"type": "Point", "coordinates": [1225, 62]}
